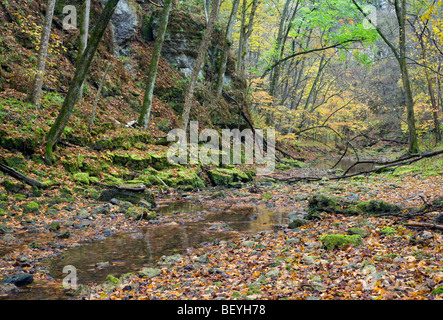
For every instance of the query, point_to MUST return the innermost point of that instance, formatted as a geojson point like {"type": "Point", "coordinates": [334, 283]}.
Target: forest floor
{"type": "Point", "coordinates": [393, 261]}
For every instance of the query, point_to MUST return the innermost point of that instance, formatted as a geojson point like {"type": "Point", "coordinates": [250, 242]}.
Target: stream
{"type": "Point", "coordinates": [130, 252]}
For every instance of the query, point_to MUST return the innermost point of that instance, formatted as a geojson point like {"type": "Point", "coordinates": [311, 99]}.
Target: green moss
{"type": "Point", "coordinates": [138, 213]}
{"type": "Point", "coordinates": [17, 162]}
{"type": "Point", "coordinates": [321, 203]}
{"type": "Point", "coordinates": [438, 290]}
{"type": "Point", "coordinates": [332, 241]}
{"type": "Point", "coordinates": [219, 178]}
{"type": "Point", "coordinates": [387, 230]}
{"type": "Point", "coordinates": [112, 281]}
{"type": "Point", "coordinates": [19, 196]}
{"type": "Point", "coordinates": [11, 186]}
{"type": "Point", "coordinates": [227, 176]}
{"type": "Point", "coordinates": [361, 232]}
{"type": "Point", "coordinates": [31, 207]}
{"type": "Point", "coordinates": [81, 177]}
{"type": "Point", "coordinates": [378, 206]}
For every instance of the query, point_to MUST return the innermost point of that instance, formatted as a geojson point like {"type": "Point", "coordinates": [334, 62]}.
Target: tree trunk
{"type": "Point", "coordinates": [79, 77]}
{"type": "Point", "coordinates": [97, 97]}
{"type": "Point", "coordinates": [246, 33]}
{"type": "Point", "coordinates": [84, 30]}
{"type": "Point", "coordinates": [278, 46]}
{"type": "Point", "coordinates": [226, 47]}
{"type": "Point", "coordinates": [400, 56]}
{"type": "Point", "coordinates": [401, 16]}
{"type": "Point", "coordinates": [198, 63]}
{"type": "Point", "coordinates": [143, 120]}
{"type": "Point", "coordinates": [35, 94]}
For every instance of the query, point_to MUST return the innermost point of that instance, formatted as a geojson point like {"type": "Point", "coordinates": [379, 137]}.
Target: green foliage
{"type": "Point", "coordinates": [332, 241]}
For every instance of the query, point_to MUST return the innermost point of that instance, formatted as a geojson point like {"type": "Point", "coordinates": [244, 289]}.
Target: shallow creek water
{"type": "Point", "coordinates": [129, 252]}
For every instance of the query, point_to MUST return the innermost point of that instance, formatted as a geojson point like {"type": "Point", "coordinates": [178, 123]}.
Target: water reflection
{"type": "Point", "coordinates": [344, 164]}
{"type": "Point", "coordinates": [131, 252]}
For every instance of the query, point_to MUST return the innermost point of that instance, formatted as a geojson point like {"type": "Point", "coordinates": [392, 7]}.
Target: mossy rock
{"type": "Point", "coordinates": [81, 177]}
{"type": "Point", "coordinates": [297, 222]}
{"type": "Point", "coordinates": [138, 213]}
{"type": "Point", "coordinates": [132, 161]}
{"type": "Point", "coordinates": [320, 203]}
{"type": "Point", "coordinates": [332, 241]}
{"type": "Point", "coordinates": [220, 178]}
{"type": "Point", "coordinates": [387, 230]}
{"type": "Point", "coordinates": [361, 232]}
{"type": "Point", "coordinates": [181, 178]}
{"type": "Point", "coordinates": [111, 282]}
{"type": "Point", "coordinates": [128, 195]}
{"type": "Point", "coordinates": [227, 176]}
{"type": "Point", "coordinates": [31, 207]}
{"type": "Point", "coordinates": [159, 162]}
{"type": "Point", "coordinates": [26, 144]}
{"type": "Point", "coordinates": [12, 187]}
{"type": "Point", "coordinates": [16, 162]}
{"type": "Point", "coordinates": [378, 206]}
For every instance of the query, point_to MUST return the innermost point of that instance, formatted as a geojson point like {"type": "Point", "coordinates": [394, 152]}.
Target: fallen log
{"type": "Point", "coordinates": [21, 177]}
{"type": "Point", "coordinates": [405, 160]}
{"type": "Point", "coordinates": [424, 225]}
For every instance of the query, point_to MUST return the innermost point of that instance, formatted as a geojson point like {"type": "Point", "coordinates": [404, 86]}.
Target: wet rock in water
{"type": "Point", "coordinates": [168, 260]}
{"type": "Point", "coordinates": [131, 193]}
{"type": "Point", "coordinates": [297, 222]}
{"type": "Point", "coordinates": [138, 213]}
{"type": "Point", "coordinates": [20, 279]}
{"type": "Point", "coordinates": [219, 227]}
{"type": "Point", "coordinates": [102, 265]}
{"type": "Point", "coordinates": [8, 288]}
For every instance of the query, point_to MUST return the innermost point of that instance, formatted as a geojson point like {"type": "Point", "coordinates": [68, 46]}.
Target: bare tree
{"type": "Point", "coordinates": [79, 76]}
{"type": "Point", "coordinates": [143, 120]}
{"type": "Point", "coordinates": [226, 47]}
{"type": "Point", "coordinates": [36, 92]}
{"type": "Point", "coordinates": [84, 30]}
{"type": "Point", "coordinates": [199, 63]}
{"type": "Point", "coordinates": [400, 56]}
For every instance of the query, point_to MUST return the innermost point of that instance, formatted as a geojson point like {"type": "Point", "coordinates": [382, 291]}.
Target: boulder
{"type": "Point", "coordinates": [20, 279]}
{"type": "Point", "coordinates": [124, 26]}
{"type": "Point", "coordinates": [131, 193]}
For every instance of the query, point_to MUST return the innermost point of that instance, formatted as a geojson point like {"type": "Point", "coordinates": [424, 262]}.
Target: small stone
{"type": "Point", "coordinates": [102, 265]}
{"type": "Point", "coordinates": [8, 288]}
{"type": "Point", "coordinates": [65, 234]}
{"type": "Point", "coordinates": [247, 243]}
{"type": "Point", "coordinates": [202, 259]}
{"type": "Point", "coordinates": [272, 273]}
{"type": "Point", "coordinates": [149, 272]}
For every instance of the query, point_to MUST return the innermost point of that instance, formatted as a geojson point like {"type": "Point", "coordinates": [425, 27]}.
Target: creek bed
{"type": "Point", "coordinates": [129, 252]}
